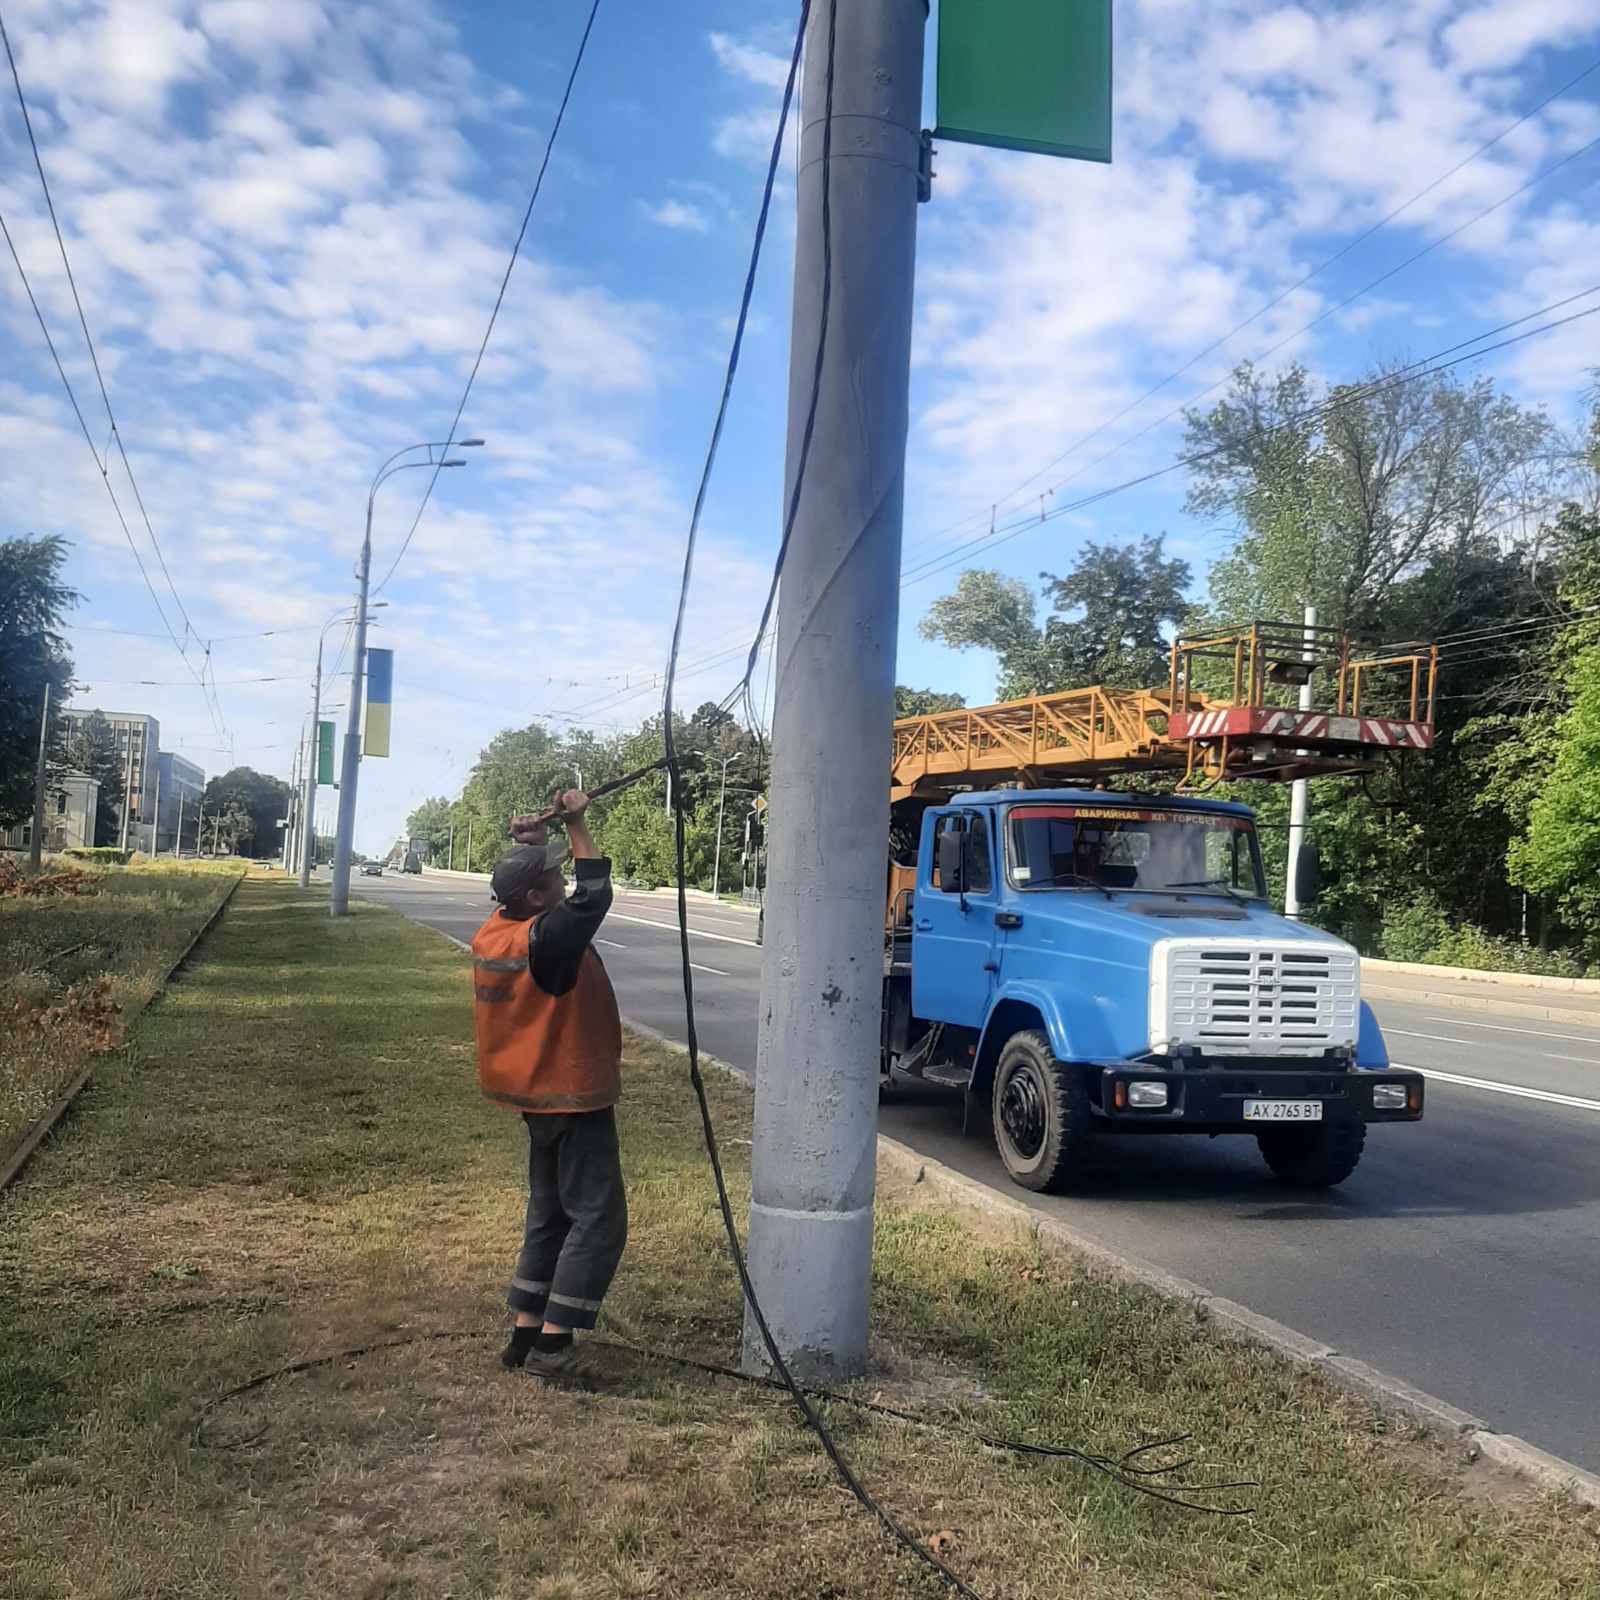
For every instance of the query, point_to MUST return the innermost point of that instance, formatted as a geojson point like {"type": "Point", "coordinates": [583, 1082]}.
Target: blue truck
{"type": "Point", "coordinates": [1100, 964]}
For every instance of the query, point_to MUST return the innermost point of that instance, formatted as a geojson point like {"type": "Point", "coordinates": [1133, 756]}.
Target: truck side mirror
{"type": "Point", "coordinates": [952, 861]}
{"type": "Point", "coordinates": [1307, 874]}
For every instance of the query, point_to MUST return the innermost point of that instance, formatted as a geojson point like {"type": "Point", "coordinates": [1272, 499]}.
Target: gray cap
{"type": "Point", "coordinates": [518, 870]}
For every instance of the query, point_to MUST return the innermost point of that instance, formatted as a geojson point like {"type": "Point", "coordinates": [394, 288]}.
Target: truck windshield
{"type": "Point", "coordinates": [1124, 847]}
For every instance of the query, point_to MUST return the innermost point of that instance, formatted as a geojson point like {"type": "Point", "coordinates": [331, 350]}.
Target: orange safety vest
{"type": "Point", "coordinates": [541, 1052]}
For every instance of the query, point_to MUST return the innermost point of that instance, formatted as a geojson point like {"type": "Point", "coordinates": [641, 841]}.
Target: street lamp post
{"type": "Point", "coordinates": [716, 870]}
{"type": "Point", "coordinates": [350, 767]}
{"type": "Point", "coordinates": [308, 844]}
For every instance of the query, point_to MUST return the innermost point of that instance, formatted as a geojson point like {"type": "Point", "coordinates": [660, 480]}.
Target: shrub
{"type": "Point", "coordinates": [108, 855]}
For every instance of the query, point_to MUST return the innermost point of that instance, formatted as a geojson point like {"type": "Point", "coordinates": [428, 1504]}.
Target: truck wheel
{"type": "Point", "coordinates": [1314, 1158]}
{"type": "Point", "coordinates": [1041, 1113]}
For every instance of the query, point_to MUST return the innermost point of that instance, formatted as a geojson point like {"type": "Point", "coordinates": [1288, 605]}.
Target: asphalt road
{"type": "Point", "coordinates": [1461, 1256]}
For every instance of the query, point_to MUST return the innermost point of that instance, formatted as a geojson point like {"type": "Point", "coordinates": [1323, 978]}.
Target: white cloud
{"type": "Point", "coordinates": [678, 214]}
{"type": "Point", "coordinates": [746, 62]}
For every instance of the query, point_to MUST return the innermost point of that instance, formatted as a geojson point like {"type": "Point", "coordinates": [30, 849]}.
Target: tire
{"type": "Point", "coordinates": [1314, 1158]}
{"type": "Point", "coordinates": [1041, 1114]}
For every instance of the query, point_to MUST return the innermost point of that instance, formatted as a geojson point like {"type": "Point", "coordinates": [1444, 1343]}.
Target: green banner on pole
{"type": "Point", "coordinates": [324, 752]}
{"type": "Point", "coordinates": [1027, 75]}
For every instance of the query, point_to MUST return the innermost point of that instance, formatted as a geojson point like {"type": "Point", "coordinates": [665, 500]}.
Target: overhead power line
{"type": "Point", "coordinates": [88, 339]}
{"type": "Point", "coordinates": [533, 199]}
{"type": "Point", "coordinates": [1429, 366]}
{"type": "Point", "coordinates": [1300, 283]}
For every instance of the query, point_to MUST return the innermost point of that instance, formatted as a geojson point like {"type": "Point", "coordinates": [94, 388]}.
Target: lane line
{"type": "Point", "coordinates": [1543, 1055]}
{"type": "Point", "coordinates": [610, 944]}
{"type": "Point", "coordinates": [716, 972]}
{"type": "Point", "coordinates": [1566, 1038]}
{"type": "Point", "coordinates": [672, 927]}
{"type": "Point", "coordinates": [1502, 1088]}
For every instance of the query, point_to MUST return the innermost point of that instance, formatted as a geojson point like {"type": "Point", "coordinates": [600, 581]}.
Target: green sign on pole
{"type": "Point", "coordinates": [324, 752]}
{"type": "Point", "coordinates": [1027, 75]}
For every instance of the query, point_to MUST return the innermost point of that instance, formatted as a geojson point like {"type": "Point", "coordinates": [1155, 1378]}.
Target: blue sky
{"type": "Point", "coordinates": [288, 219]}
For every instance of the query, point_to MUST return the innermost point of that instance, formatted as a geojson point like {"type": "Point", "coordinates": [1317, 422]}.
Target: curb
{"type": "Point", "coordinates": [40, 1130]}
{"type": "Point", "coordinates": [1394, 1395]}
{"type": "Point", "coordinates": [1389, 1394]}
{"type": "Point", "coordinates": [1511, 980]}
{"type": "Point", "coordinates": [1492, 1005]}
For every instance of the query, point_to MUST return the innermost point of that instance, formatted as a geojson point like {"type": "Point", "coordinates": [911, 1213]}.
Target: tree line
{"type": "Point", "coordinates": [723, 768]}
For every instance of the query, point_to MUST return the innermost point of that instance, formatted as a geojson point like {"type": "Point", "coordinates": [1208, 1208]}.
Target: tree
{"type": "Point", "coordinates": [1339, 494]}
{"type": "Point", "coordinates": [1124, 596]}
{"type": "Point", "coordinates": [33, 654]}
{"type": "Point", "coordinates": [924, 702]}
{"type": "Point", "coordinates": [249, 805]}
{"type": "Point", "coordinates": [430, 823]}
{"type": "Point", "coordinates": [90, 747]}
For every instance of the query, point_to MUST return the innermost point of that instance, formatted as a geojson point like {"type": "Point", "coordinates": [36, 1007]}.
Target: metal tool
{"type": "Point", "coordinates": [555, 813]}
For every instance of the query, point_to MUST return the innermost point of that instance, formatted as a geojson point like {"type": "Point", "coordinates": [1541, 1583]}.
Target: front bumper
{"type": "Point", "coordinates": [1211, 1099]}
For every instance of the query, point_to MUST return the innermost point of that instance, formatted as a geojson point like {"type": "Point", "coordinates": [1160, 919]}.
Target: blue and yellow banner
{"type": "Point", "coordinates": [380, 696]}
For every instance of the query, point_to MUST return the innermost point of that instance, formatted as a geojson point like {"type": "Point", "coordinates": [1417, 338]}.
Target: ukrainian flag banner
{"type": "Point", "coordinates": [380, 696]}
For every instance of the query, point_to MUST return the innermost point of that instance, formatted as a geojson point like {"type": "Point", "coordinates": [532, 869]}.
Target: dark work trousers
{"type": "Point", "coordinates": [577, 1217]}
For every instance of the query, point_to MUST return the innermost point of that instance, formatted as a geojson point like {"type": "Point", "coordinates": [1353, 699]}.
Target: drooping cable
{"type": "Point", "coordinates": [94, 357]}
{"type": "Point", "coordinates": [796, 1390]}
{"type": "Point", "coordinates": [499, 299]}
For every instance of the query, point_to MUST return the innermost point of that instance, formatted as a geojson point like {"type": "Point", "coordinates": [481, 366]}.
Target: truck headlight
{"type": "Point", "coordinates": [1388, 1097]}
{"type": "Point", "coordinates": [1150, 1095]}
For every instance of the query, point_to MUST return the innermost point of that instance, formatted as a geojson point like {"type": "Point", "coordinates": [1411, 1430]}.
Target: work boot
{"type": "Point", "coordinates": [564, 1366]}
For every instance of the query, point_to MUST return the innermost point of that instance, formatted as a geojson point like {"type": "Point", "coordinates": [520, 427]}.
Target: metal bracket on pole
{"type": "Point", "coordinates": [925, 167]}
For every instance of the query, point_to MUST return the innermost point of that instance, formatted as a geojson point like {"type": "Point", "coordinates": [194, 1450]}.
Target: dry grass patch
{"type": "Point", "coordinates": [77, 960]}
{"type": "Point", "coordinates": [290, 1159]}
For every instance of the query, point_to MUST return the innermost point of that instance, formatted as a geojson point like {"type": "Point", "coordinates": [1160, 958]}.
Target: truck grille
{"type": "Point", "coordinates": [1239, 997]}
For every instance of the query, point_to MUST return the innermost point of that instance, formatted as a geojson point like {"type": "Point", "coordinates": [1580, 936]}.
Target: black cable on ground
{"type": "Point", "coordinates": [1120, 1469]}
{"type": "Point", "coordinates": [735, 1249]}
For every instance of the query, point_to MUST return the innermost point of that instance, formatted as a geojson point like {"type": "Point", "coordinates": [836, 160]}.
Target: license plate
{"type": "Point", "coordinates": [1283, 1111]}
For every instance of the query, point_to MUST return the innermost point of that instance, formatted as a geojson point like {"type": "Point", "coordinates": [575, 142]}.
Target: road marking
{"type": "Point", "coordinates": [1502, 1088]}
{"type": "Point", "coordinates": [716, 972]}
{"type": "Point", "coordinates": [611, 944]}
{"type": "Point", "coordinates": [672, 927]}
{"type": "Point", "coordinates": [1452, 1022]}
{"type": "Point", "coordinates": [1544, 1055]}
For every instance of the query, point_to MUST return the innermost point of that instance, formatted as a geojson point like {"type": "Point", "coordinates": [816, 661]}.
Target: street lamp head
{"type": "Point", "coordinates": [469, 444]}
{"type": "Point", "coordinates": [457, 462]}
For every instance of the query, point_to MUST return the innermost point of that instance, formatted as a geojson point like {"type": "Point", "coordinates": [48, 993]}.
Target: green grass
{"type": "Point", "coordinates": [291, 1157]}
{"type": "Point", "coordinates": [56, 949]}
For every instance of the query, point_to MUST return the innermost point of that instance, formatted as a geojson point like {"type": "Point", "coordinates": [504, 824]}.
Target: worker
{"type": "Point", "coordinates": [550, 1046]}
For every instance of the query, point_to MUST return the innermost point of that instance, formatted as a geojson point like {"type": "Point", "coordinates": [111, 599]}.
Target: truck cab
{"type": "Point", "coordinates": [1104, 964]}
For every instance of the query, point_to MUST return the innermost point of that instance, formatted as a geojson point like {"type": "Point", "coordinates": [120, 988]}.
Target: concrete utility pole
{"type": "Point", "coordinates": [177, 838]}
{"type": "Point", "coordinates": [36, 842]}
{"type": "Point", "coordinates": [350, 769]}
{"type": "Point", "coordinates": [155, 821]}
{"type": "Point", "coordinates": [127, 793]}
{"type": "Point", "coordinates": [452, 847]}
{"type": "Point", "coordinates": [722, 796]}
{"type": "Point", "coordinates": [289, 821]}
{"type": "Point", "coordinates": [816, 1110]}
{"type": "Point", "coordinates": [1300, 790]}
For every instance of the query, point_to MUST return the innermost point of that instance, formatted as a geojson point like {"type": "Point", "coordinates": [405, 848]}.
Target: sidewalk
{"type": "Point", "coordinates": [1573, 1001]}
{"type": "Point", "coordinates": [292, 1163]}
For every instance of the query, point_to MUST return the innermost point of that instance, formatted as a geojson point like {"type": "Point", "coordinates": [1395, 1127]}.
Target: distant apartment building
{"type": "Point", "coordinates": [138, 740]}
{"type": "Point", "coordinates": [70, 809]}
{"type": "Point", "coordinates": [182, 785]}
